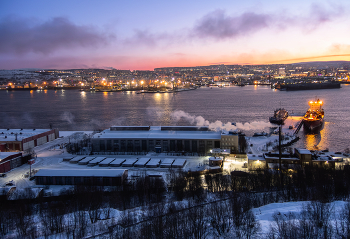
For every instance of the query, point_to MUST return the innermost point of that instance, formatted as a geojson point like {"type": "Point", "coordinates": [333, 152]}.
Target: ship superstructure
{"type": "Point", "coordinates": [313, 118]}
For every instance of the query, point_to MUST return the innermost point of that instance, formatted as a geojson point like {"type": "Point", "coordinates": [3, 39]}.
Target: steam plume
{"type": "Point", "coordinates": [217, 125]}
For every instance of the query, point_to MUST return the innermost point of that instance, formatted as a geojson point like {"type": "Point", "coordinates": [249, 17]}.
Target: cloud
{"type": "Point", "coordinates": [22, 36]}
{"type": "Point", "coordinates": [143, 37]}
{"type": "Point", "coordinates": [218, 24]}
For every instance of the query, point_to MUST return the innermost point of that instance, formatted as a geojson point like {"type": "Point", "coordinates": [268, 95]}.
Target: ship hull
{"type": "Point", "coordinates": [313, 125]}
{"type": "Point", "coordinates": [308, 86]}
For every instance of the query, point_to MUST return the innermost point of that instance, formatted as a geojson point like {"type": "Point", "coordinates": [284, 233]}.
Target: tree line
{"type": "Point", "coordinates": [187, 206]}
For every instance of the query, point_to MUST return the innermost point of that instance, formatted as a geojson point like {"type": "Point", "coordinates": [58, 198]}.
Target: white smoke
{"type": "Point", "coordinates": [117, 121]}
{"type": "Point", "coordinates": [217, 125]}
{"type": "Point", "coordinates": [68, 116]}
{"type": "Point", "coordinates": [154, 112]}
{"type": "Point", "coordinates": [27, 118]}
{"type": "Point", "coordinates": [99, 125]}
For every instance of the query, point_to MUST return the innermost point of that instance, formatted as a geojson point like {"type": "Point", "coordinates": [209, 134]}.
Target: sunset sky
{"type": "Point", "coordinates": [143, 35]}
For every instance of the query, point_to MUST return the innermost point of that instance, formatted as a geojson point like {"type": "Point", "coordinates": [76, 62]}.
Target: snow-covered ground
{"type": "Point", "coordinates": [265, 213]}
{"type": "Point", "coordinates": [257, 145]}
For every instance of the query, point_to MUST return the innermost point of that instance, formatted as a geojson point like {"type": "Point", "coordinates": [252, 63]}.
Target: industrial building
{"type": "Point", "coordinates": [164, 139]}
{"type": "Point", "coordinates": [11, 160]}
{"type": "Point", "coordinates": [300, 157]}
{"type": "Point", "coordinates": [89, 177]}
{"type": "Point", "coordinates": [12, 140]}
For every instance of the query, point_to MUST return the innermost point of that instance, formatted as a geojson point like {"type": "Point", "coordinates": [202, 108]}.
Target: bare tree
{"type": "Point", "coordinates": [219, 218]}
{"type": "Point", "coordinates": [197, 223]}
{"type": "Point", "coordinates": [319, 215]}
{"type": "Point", "coordinates": [343, 222]}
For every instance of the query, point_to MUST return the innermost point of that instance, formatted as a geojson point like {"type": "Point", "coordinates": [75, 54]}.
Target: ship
{"type": "Point", "coordinates": [313, 118]}
{"type": "Point", "coordinates": [279, 116]}
{"type": "Point", "coordinates": [22, 88]}
{"type": "Point", "coordinates": [307, 86]}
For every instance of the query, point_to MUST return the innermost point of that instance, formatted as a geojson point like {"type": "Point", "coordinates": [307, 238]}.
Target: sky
{"type": "Point", "coordinates": [143, 35]}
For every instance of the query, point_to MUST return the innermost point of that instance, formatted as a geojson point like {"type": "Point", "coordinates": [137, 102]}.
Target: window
{"type": "Point", "coordinates": [137, 145]}
{"type": "Point", "coordinates": [109, 144]}
{"type": "Point", "coordinates": [179, 145]}
{"type": "Point", "coordinates": [102, 145]}
{"type": "Point", "coordinates": [165, 145]}
{"type": "Point", "coordinates": [123, 145]}
{"type": "Point", "coordinates": [201, 146]}
{"type": "Point", "coordinates": [187, 146]}
{"type": "Point", "coordinates": [172, 145]}
{"type": "Point", "coordinates": [194, 146]}
{"type": "Point", "coordinates": [144, 145]}
{"type": "Point", "coordinates": [151, 145]}
{"type": "Point", "coordinates": [130, 146]}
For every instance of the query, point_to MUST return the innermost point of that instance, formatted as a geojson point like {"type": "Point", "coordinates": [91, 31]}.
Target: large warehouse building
{"type": "Point", "coordinates": [23, 139]}
{"type": "Point", "coordinates": [162, 139]}
{"type": "Point", "coordinates": [89, 177]}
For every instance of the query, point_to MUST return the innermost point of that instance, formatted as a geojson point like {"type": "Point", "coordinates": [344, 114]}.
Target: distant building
{"type": "Point", "coordinates": [24, 139]}
{"type": "Point", "coordinates": [180, 139]}
{"type": "Point", "coordinates": [215, 161]}
{"type": "Point", "coordinates": [282, 71]}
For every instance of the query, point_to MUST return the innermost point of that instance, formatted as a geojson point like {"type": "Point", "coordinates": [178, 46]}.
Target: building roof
{"type": "Point", "coordinates": [4, 155]}
{"type": "Point", "coordinates": [303, 151]}
{"type": "Point", "coordinates": [21, 134]}
{"type": "Point", "coordinates": [255, 157]}
{"type": "Point", "coordinates": [168, 161]}
{"type": "Point", "coordinates": [117, 161]}
{"type": "Point", "coordinates": [142, 161]}
{"type": "Point", "coordinates": [107, 161]}
{"type": "Point", "coordinates": [80, 173]}
{"type": "Point", "coordinates": [155, 132]}
{"type": "Point", "coordinates": [153, 162]}
{"type": "Point", "coordinates": [215, 159]}
{"type": "Point", "coordinates": [179, 162]}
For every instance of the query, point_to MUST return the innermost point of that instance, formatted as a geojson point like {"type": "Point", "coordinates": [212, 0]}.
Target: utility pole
{"type": "Point", "coordinates": [279, 147]}
{"type": "Point", "coordinates": [280, 155]}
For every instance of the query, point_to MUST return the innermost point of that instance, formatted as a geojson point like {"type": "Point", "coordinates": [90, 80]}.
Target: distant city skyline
{"type": "Point", "coordinates": [140, 35]}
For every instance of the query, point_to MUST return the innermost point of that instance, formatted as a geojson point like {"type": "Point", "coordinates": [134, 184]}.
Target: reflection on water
{"type": "Point", "coordinates": [157, 97]}
{"type": "Point", "coordinates": [312, 140]}
{"type": "Point", "coordinates": [317, 140]}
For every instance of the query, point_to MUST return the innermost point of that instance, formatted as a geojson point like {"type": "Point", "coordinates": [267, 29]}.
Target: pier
{"type": "Point", "coordinates": [298, 127]}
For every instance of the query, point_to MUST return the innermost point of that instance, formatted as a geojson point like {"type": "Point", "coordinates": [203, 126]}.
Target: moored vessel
{"type": "Point", "coordinates": [279, 116]}
{"type": "Point", "coordinates": [313, 118]}
{"type": "Point", "coordinates": [307, 86]}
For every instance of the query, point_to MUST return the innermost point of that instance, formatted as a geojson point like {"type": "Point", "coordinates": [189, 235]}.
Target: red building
{"type": "Point", "coordinates": [10, 160]}
{"type": "Point", "coordinates": [12, 140]}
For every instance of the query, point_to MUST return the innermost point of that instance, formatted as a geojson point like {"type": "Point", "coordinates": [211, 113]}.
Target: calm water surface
{"type": "Point", "coordinates": [249, 105]}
